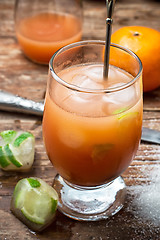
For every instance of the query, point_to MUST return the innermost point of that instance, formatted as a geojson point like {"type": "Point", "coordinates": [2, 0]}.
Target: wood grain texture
{"type": "Point", "coordinates": [20, 76]}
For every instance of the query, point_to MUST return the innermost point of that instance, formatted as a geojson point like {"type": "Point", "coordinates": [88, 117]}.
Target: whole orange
{"type": "Point", "coordinates": [145, 42]}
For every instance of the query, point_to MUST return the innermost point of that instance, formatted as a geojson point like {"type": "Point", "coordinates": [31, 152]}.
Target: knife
{"type": "Point", "coordinates": [14, 103]}
{"type": "Point", "coordinates": [150, 135]}
{"type": "Point", "coordinates": [11, 102]}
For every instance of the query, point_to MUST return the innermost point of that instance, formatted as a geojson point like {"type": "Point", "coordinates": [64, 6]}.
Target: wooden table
{"type": "Point", "coordinates": [139, 218]}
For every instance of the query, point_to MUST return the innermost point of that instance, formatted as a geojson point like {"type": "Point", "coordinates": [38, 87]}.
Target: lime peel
{"type": "Point", "coordinates": [118, 111]}
{"type": "Point", "coordinates": [54, 205]}
{"type": "Point", "coordinates": [34, 182]}
{"type": "Point", "coordinates": [21, 138]}
{"type": "Point", "coordinates": [3, 160]}
{"type": "Point", "coordinates": [8, 135]}
{"type": "Point", "coordinates": [11, 157]}
{"type": "Point", "coordinates": [128, 115]}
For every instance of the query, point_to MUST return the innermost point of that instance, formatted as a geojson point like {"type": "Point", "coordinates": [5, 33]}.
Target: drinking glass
{"type": "Point", "coordinates": [42, 27]}
{"type": "Point", "coordinates": [92, 126]}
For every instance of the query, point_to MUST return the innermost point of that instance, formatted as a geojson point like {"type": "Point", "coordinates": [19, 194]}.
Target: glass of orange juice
{"type": "Point", "coordinates": [92, 127]}
{"type": "Point", "coordinates": [42, 27]}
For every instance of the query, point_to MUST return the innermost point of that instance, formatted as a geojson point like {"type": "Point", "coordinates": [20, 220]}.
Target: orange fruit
{"type": "Point", "coordinates": [145, 42]}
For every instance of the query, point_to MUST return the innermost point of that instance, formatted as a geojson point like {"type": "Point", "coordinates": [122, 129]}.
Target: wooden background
{"type": "Point", "coordinates": [140, 217]}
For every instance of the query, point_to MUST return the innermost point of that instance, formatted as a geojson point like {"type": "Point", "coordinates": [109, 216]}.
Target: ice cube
{"type": "Point", "coordinates": [71, 137]}
{"type": "Point", "coordinates": [112, 74]}
{"type": "Point", "coordinates": [84, 81]}
{"type": "Point", "coordinates": [117, 77]}
{"type": "Point", "coordinates": [95, 73]}
{"type": "Point", "coordinates": [119, 99]}
{"type": "Point", "coordinates": [123, 96]}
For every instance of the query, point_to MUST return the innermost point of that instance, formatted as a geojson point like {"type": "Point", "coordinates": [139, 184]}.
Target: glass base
{"type": "Point", "coordinates": [90, 203]}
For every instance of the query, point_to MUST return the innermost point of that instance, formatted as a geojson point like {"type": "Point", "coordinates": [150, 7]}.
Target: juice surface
{"type": "Point", "coordinates": [92, 138]}
{"type": "Point", "coordinates": [40, 36]}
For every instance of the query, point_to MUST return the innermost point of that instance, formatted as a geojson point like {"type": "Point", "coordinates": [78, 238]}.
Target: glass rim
{"type": "Point", "coordinates": [87, 90]}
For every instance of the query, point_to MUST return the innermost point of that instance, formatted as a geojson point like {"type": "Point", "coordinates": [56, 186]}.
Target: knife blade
{"type": "Point", "coordinates": [150, 135]}
{"type": "Point", "coordinates": [10, 102]}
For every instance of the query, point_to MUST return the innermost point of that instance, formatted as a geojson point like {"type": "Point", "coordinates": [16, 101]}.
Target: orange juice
{"type": "Point", "coordinates": [40, 36]}
{"type": "Point", "coordinates": [91, 138]}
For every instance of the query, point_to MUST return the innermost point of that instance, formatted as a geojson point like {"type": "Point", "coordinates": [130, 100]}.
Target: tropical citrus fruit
{"type": "Point", "coordinates": [145, 42]}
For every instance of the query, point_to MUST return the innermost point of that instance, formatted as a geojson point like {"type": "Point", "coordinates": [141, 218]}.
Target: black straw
{"type": "Point", "coordinates": [110, 7]}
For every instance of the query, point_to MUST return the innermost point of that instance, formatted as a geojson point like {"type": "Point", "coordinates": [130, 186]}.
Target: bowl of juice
{"type": "Point", "coordinates": [92, 126]}
{"type": "Point", "coordinates": [43, 27]}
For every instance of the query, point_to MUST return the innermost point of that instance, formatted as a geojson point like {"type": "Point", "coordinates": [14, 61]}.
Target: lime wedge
{"type": "Point", "coordinates": [21, 138]}
{"type": "Point", "coordinates": [54, 205]}
{"type": "Point", "coordinates": [8, 136]}
{"type": "Point", "coordinates": [25, 152]}
{"type": "Point", "coordinates": [32, 218]}
{"type": "Point", "coordinates": [3, 160]}
{"type": "Point", "coordinates": [100, 151]}
{"type": "Point", "coordinates": [118, 111]}
{"type": "Point", "coordinates": [17, 152]}
{"type": "Point", "coordinates": [129, 114]}
{"type": "Point", "coordinates": [34, 182]}
{"type": "Point", "coordinates": [37, 206]}
{"type": "Point", "coordinates": [34, 202]}
{"type": "Point", "coordinates": [11, 157]}
{"type": "Point", "coordinates": [19, 197]}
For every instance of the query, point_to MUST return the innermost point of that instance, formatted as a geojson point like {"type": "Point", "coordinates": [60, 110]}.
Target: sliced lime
{"type": "Point", "coordinates": [100, 150]}
{"type": "Point", "coordinates": [11, 157]}
{"type": "Point", "coordinates": [34, 202]}
{"type": "Point", "coordinates": [25, 152]}
{"type": "Point", "coordinates": [8, 136]}
{"type": "Point", "coordinates": [3, 160]}
{"type": "Point", "coordinates": [38, 206]}
{"type": "Point", "coordinates": [32, 218]}
{"type": "Point", "coordinates": [34, 182]}
{"type": "Point", "coordinates": [19, 193]}
{"type": "Point", "coordinates": [129, 114]}
{"type": "Point", "coordinates": [19, 197]}
{"type": "Point", "coordinates": [21, 138]}
{"type": "Point", "coordinates": [118, 111]}
{"type": "Point", "coordinates": [54, 205]}
{"type": "Point", "coordinates": [17, 152]}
